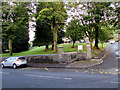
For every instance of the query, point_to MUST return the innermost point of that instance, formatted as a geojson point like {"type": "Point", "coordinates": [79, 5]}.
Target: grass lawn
{"type": "Point", "coordinates": [41, 50]}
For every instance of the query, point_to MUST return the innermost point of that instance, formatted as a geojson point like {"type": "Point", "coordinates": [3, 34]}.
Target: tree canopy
{"type": "Point", "coordinates": [15, 26]}
{"type": "Point", "coordinates": [74, 31]}
{"type": "Point", "coordinates": [93, 15]}
{"type": "Point", "coordinates": [56, 17]}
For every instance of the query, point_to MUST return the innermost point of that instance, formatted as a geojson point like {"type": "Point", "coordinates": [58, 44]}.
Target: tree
{"type": "Point", "coordinates": [56, 17]}
{"type": "Point", "coordinates": [8, 27]}
{"type": "Point", "coordinates": [105, 34]}
{"type": "Point", "coordinates": [92, 15]}
{"type": "Point", "coordinates": [9, 34]}
{"type": "Point", "coordinates": [61, 34]}
{"type": "Point", "coordinates": [15, 25]}
{"type": "Point", "coordinates": [74, 31]}
{"type": "Point", "coordinates": [117, 14]}
{"type": "Point", "coordinates": [97, 13]}
{"type": "Point", "coordinates": [43, 34]}
{"type": "Point", "coordinates": [21, 16]}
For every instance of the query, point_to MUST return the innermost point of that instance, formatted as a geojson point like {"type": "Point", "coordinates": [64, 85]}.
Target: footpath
{"type": "Point", "coordinates": [76, 64]}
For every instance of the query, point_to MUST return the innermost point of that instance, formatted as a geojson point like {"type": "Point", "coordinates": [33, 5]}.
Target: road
{"type": "Point", "coordinates": [104, 75]}
{"type": "Point", "coordinates": [111, 62]}
{"type": "Point", "coordinates": [52, 78]}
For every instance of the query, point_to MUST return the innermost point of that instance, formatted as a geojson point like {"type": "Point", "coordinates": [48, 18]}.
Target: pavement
{"type": "Point", "coordinates": [77, 64]}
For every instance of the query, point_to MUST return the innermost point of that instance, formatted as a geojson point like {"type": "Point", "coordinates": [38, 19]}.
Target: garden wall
{"type": "Point", "coordinates": [55, 58]}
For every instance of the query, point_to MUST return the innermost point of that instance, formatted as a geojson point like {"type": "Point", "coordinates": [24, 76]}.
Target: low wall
{"type": "Point", "coordinates": [71, 57]}
{"type": "Point", "coordinates": [54, 58]}
{"type": "Point", "coordinates": [42, 59]}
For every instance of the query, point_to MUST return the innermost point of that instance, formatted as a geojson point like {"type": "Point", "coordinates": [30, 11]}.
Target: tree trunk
{"type": "Point", "coordinates": [52, 47]}
{"type": "Point", "coordinates": [10, 46]}
{"type": "Point", "coordinates": [102, 44]}
{"type": "Point", "coordinates": [96, 37]}
{"type": "Point", "coordinates": [46, 47]}
{"type": "Point", "coordinates": [73, 44]}
{"type": "Point", "coordinates": [90, 39]}
{"type": "Point", "coordinates": [54, 30]}
{"type": "Point", "coordinates": [55, 41]}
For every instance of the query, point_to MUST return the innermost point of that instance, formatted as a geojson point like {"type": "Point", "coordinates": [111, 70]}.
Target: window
{"type": "Point", "coordinates": [21, 58]}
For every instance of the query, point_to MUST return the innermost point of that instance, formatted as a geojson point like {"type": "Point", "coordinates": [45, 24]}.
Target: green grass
{"type": "Point", "coordinates": [95, 52]}
{"type": "Point", "coordinates": [67, 47]}
{"type": "Point", "coordinates": [102, 46]}
{"type": "Point", "coordinates": [33, 51]}
{"type": "Point", "coordinates": [41, 50]}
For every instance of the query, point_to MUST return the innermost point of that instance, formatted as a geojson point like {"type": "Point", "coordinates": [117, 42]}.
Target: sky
{"type": "Point", "coordinates": [32, 24]}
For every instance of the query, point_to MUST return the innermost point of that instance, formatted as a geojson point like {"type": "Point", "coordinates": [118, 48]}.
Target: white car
{"type": "Point", "coordinates": [14, 62]}
{"type": "Point", "coordinates": [111, 42]}
{"type": "Point", "coordinates": [118, 53]}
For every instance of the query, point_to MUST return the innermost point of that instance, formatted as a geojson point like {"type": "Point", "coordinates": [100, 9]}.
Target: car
{"type": "Point", "coordinates": [118, 53]}
{"type": "Point", "coordinates": [14, 62]}
{"type": "Point", "coordinates": [111, 42]}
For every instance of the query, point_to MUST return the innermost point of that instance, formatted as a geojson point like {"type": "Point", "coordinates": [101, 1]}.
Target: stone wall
{"type": "Point", "coordinates": [42, 59]}
{"type": "Point", "coordinates": [71, 57]}
{"type": "Point", "coordinates": [54, 58]}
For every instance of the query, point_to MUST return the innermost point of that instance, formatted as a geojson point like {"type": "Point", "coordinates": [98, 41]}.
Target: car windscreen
{"type": "Point", "coordinates": [21, 58]}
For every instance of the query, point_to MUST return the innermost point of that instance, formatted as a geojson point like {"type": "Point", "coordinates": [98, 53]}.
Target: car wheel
{"type": "Point", "coordinates": [2, 65]}
{"type": "Point", "coordinates": [14, 66]}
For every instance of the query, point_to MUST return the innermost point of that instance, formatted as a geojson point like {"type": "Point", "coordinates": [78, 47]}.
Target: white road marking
{"type": "Point", "coordinates": [116, 70]}
{"type": "Point", "coordinates": [118, 58]}
{"type": "Point", "coordinates": [67, 78]}
{"type": "Point", "coordinates": [4, 73]}
{"type": "Point", "coordinates": [115, 82]}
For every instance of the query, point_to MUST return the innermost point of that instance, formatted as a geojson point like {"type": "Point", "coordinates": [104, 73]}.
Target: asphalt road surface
{"type": "Point", "coordinates": [50, 78]}
{"type": "Point", "coordinates": [111, 62]}
{"type": "Point", "coordinates": [104, 75]}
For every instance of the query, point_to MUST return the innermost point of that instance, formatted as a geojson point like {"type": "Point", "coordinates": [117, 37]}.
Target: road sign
{"type": "Point", "coordinates": [80, 47]}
